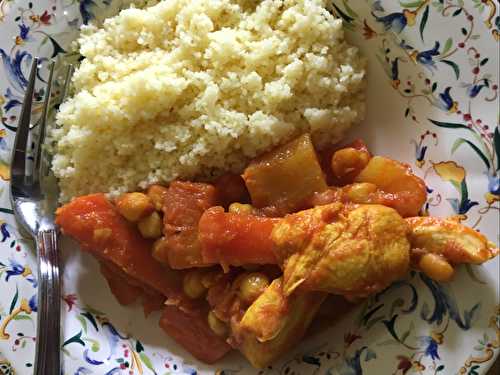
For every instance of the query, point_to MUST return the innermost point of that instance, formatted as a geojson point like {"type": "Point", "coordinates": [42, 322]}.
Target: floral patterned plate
{"type": "Point", "coordinates": [433, 102]}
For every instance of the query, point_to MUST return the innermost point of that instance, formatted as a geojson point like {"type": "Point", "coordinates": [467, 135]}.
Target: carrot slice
{"type": "Point", "coordinates": [191, 330]}
{"type": "Point", "coordinates": [184, 204]}
{"type": "Point", "coordinates": [236, 239]}
{"type": "Point", "coordinates": [96, 224]}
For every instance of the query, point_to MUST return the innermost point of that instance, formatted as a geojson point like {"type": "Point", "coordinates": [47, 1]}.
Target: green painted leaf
{"type": "Point", "coordinates": [83, 323]}
{"type": "Point", "coordinates": [138, 347]}
{"type": "Point", "coordinates": [449, 125]}
{"type": "Point", "coordinates": [77, 338]}
{"type": "Point", "coordinates": [439, 368]}
{"type": "Point", "coordinates": [461, 141]}
{"type": "Point", "coordinates": [457, 12]}
{"type": "Point", "coordinates": [94, 344]}
{"type": "Point", "coordinates": [344, 16]}
{"type": "Point", "coordinates": [479, 348]}
{"type": "Point", "coordinates": [455, 67]}
{"type": "Point", "coordinates": [349, 10]}
{"type": "Point", "coordinates": [413, 4]}
{"type": "Point", "coordinates": [484, 61]}
{"type": "Point", "coordinates": [14, 301]}
{"type": "Point", "coordinates": [423, 22]}
{"type": "Point", "coordinates": [91, 319]}
{"type": "Point", "coordinates": [57, 49]}
{"type": "Point", "coordinates": [447, 46]}
{"type": "Point", "coordinates": [22, 317]}
{"type": "Point", "coordinates": [145, 359]}
{"type": "Point", "coordinates": [496, 143]}
{"type": "Point", "coordinates": [434, 86]}
{"type": "Point", "coordinates": [374, 321]}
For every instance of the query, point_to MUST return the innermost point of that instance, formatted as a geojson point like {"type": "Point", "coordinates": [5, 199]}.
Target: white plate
{"type": "Point", "coordinates": [438, 111]}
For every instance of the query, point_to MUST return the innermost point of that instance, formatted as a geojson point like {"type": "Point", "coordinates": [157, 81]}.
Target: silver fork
{"type": "Point", "coordinates": [34, 210]}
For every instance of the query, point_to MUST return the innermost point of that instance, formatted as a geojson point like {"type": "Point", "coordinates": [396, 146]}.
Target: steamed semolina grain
{"type": "Point", "coordinates": [189, 88]}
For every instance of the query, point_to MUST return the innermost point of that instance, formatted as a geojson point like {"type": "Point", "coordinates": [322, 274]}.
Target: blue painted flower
{"type": "Point", "coordinates": [83, 371]}
{"type": "Point", "coordinates": [420, 151]}
{"type": "Point", "coordinates": [494, 184]}
{"type": "Point", "coordinates": [395, 73]}
{"type": "Point", "coordinates": [426, 57]}
{"type": "Point", "coordinates": [16, 269]}
{"type": "Point", "coordinates": [397, 22]}
{"type": "Point", "coordinates": [5, 232]}
{"type": "Point", "coordinates": [23, 31]}
{"type": "Point", "coordinates": [431, 346]}
{"type": "Point", "coordinates": [446, 102]}
{"type": "Point", "coordinates": [13, 69]}
{"type": "Point", "coordinates": [33, 304]}
{"type": "Point", "coordinates": [473, 90]}
{"type": "Point", "coordinates": [87, 9]}
{"type": "Point", "coordinates": [12, 100]}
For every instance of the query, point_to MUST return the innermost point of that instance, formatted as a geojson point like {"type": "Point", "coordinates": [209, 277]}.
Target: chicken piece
{"type": "Point", "coordinates": [402, 190]}
{"type": "Point", "coordinates": [450, 239]}
{"type": "Point", "coordinates": [350, 250]}
{"type": "Point", "coordinates": [185, 202]}
{"type": "Point", "coordinates": [274, 323]}
{"type": "Point", "coordinates": [285, 177]}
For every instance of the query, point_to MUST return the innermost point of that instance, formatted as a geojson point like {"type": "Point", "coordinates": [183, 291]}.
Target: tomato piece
{"type": "Point", "coordinates": [400, 188]}
{"type": "Point", "coordinates": [236, 239]}
{"type": "Point", "coordinates": [231, 188]}
{"type": "Point", "coordinates": [100, 229]}
{"type": "Point", "coordinates": [191, 330]}
{"type": "Point", "coordinates": [185, 202]}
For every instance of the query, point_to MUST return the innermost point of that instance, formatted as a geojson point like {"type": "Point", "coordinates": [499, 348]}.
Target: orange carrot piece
{"type": "Point", "coordinates": [193, 333]}
{"type": "Point", "coordinates": [96, 224]}
{"type": "Point", "coordinates": [184, 204]}
{"type": "Point", "coordinates": [236, 239]}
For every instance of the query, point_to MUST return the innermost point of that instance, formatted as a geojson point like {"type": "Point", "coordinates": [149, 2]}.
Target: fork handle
{"type": "Point", "coordinates": [47, 358]}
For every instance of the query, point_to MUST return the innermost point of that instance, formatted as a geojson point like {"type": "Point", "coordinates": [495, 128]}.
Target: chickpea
{"type": "Point", "coordinates": [240, 208]}
{"type": "Point", "coordinates": [157, 194]}
{"type": "Point", "coordinates": [210, 278]}
{"type": "Point", "coordinates": [251, 286]}
{"type": "Point", "coordinates": [218, 326]}
{"type": "Point", "coordinates": [436, 267]}
{"type": "Point", "coordinates": [134, 206]}
{"type": "Point", "coordinates": [349, 162]}
{"type": "Point", "coordinates": [360, 192]}
{"type": "Point", "coordinates": [160, 250]}
{"type": "Point", "coordinates": [192, 284]}
{"type": "Point", "coordinates": [150, 227]}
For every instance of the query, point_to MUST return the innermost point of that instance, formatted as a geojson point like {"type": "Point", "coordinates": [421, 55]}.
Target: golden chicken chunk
{"type": "Point", "coordinates": [274, 323]}
{"type": "Point", "coordinates": [450, 239]}
{"type": "Point", "coordinates": [342, 249]}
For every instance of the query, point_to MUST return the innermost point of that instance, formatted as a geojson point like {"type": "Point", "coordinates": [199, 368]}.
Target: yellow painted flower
{"type": "Point", "coordinates": [450, 171]}
{"type": "Point", "coordinates": [2, 100]}
{"type": "Point", "coordinates": [4, 171]}
{"type": "Point", "coordinates": [491, 198]}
